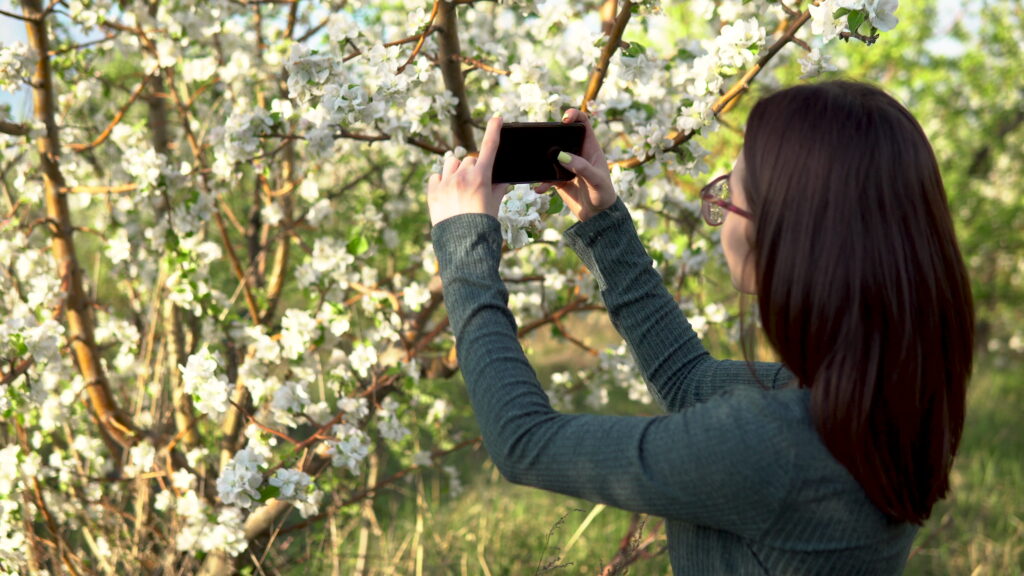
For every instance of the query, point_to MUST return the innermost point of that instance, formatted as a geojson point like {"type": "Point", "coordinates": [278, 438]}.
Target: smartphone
{"type": "Point", "coordinates": [528, 151]}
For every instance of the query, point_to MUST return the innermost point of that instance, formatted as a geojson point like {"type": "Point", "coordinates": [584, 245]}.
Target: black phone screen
{"type": "Point", "coordinates": [528, 151]}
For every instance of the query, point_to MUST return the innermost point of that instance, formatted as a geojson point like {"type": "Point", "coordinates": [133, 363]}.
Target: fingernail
{"type": "Point", "coordinates": [564, 157]}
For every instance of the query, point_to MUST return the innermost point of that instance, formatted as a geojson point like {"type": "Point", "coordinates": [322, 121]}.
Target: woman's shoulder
{"type": "Point", "coordinates": [787, 406]}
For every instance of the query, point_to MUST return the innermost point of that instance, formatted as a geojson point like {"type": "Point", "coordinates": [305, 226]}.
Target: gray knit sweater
{"type": "Point", "coordinates": [736, 469]}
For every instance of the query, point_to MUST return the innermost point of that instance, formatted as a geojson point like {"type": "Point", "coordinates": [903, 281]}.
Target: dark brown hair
{"type": "Point", "coordinates": [862, 289]}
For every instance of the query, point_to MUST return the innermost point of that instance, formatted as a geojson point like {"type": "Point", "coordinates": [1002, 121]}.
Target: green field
{"type": "Point", "coordinates": [496, 528]}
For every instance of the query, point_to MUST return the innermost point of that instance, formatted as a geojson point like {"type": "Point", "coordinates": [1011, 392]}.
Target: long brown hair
{"type": "Point", "coordinates": [862, 289]}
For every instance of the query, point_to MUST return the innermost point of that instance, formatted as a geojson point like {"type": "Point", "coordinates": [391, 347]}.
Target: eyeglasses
{"type": "Point", "coordinates": [713, 203]}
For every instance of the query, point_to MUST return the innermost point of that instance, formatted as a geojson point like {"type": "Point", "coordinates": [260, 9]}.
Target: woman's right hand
{"type": "Point", "coordinates": [591, 191]}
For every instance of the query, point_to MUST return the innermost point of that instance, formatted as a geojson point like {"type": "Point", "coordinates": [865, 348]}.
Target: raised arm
{"type": "Point", "coordinates": [724, 464]}
{"type": "Point", "coordinates": [678, 370]}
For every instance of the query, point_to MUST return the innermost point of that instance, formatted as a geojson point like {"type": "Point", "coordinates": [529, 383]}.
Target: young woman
{"type": "Point", "coordinates": [836, 217]}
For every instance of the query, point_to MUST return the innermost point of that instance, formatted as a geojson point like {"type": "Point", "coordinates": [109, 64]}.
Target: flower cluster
{"type": "Point", "coordinates": [349, 447]}
{"type": "Point", "coordinates": [243, 131]}
{"type": "Point", "coordinates": [831, 18]}
{"type": "Point", "coordinates": [520, 213]}
{"type": "Point", "coordinates": [387, 421]}
{"type": "Point", "coordinates": [200, 379]}
{"type": "Point", "coordinates": [239, 482]}
{"type": "Point", "coordinates": [199, 533]}
{"type": "Point", "coordinates": [16, 62]}
{"type": "Point", "coordinates": [12, 536]}
{"type": "Point", "coordinates": [297, 487]}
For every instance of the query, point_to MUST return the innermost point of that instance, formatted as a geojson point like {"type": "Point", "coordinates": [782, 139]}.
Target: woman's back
{"type": "Point", "coordinates": [825, 524]}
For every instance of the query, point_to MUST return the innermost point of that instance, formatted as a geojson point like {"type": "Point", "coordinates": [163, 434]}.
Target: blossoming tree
{"type": "Point", "coordinates": [218, 292]}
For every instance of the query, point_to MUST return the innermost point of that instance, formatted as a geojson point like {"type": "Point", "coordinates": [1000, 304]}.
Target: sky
{"type": "Point", "coordinates": [12, 31]}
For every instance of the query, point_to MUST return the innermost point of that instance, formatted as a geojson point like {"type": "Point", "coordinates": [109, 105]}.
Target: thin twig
{"type": "Point", "coordinates": [119, 189]}
{"type": "Point", "coordinates": [578, 305]}
{"type": "Point", "coordinates": [427, 30]}
{"type": "Point", "coordinates": [477, 64]}
{"type": "Point", "coordinates": [35, 18]}
{"type": "Point", "coordinates": [113, 123]}
{"type": "Point", "coordinates": [74, 47]}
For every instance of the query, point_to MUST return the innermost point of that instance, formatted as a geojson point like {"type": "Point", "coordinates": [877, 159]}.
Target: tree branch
{"type": "Point", "coordinates": [28, 18]}
{"type": "Point", "coordinates": [612, 44]}
{"type": "Point", "coordinates": [580, 304]}
{"type": "Point", "coordinates": [481, 66]}
{"type": "Point", "coordinates": [448, 51]}
{"type": "Point", "coordinates": [110, 127]}
{"type": "Point", "coordinates": [111, 419]}
{"type": "Point", "coordinates": [119, 189]}
{"type": "Point", "coordinates": [737, 89]}
{"type": "Point", "coordinates": [13, 129]}
{"type": "Point", "coordinates": [427, 31]}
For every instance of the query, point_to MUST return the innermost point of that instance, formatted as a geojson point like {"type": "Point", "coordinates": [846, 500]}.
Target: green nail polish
{"type": "Point", "coordinates": [564, 157]}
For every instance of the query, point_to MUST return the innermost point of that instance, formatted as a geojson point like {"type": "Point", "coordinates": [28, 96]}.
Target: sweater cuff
{"type": "Point", "coordinates": [469, 243]}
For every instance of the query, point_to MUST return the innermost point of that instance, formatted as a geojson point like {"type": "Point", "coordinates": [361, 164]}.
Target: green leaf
{"type": "Point", "coordinates": [268, 491]}
{"type": "Point", "coordinates": [358, 244]}
{"type": "Point", "coordinates": [855, 19]}
{"type": "Point", "coordinates": [556, 204]}
{"type": "Point", "coordinates": [18, 343]}
{"type": "Point", "coordinates": [633, 50]}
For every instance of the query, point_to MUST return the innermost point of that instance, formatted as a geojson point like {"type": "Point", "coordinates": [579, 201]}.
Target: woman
{"type": "Point", "coordinates": [836, 217]}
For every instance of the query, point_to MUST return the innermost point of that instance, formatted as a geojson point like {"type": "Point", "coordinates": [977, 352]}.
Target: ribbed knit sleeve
{"type": "Point", "coordinates": [678, 370]}
{"type": "Point", "coordinates": [723, 464]}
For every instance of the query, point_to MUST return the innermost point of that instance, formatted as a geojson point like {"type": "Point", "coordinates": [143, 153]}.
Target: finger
{"type": "Point", "coordinates": [500, 190]}
{"type": "Point", "coordinates": [577, 165]}
{"type": "Point", "coordinates": [489, 145]}
{"type": "Point", "coordinates": [451, 164]}
{"type": "Point", "coordinates": [570, 199]}
{"type": "Point", "coordinates": [575, 115]}
{"type": "Point", "coordinates": [434, 179]}
{"type": "Point", "coordinates": [468, 162]}
{"type": "Point", "coordinates": [591, 148]}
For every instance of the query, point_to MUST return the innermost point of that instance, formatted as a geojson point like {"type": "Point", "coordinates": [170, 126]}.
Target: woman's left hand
{"type": "Point", "coordinates": [464, 186]}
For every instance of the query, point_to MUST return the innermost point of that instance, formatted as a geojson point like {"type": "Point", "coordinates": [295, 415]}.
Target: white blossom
{"type": "Point", "coordinates": [815, 63]}
{"type": "Point", "coordinates": [239, 482]}
{"type": "Point", "coordinates": [291, 484]}
{"type": "Point", "coordinates": [16, 63]}
{"type": "Point", "coordinates": [363, 358]}
{"type": "Point", "coordinates": [415, 296]}
{"type": "Point", "coordinates": [823, 20]}
{"type": "Point", "coordinates": [355, 408]}
{"type": "Point", "coordinates": [263, 347]}
{"type": "Point", "coordinates": [228, 534]}
{"type": "Point", "coordinates": [520, 211]}
{"type": "Point", "coordinates": [349, 448]}
{"type": "Point", "coordinates": [9, 468]}
{"type": "Point", "coordinates": [199, 379]}
{"type": "Point", "coordinates": [118, 248]}
{"type": "Point", "coordinates": [299, 329]}
{"type": "Point", "coordinates": [199, 69]}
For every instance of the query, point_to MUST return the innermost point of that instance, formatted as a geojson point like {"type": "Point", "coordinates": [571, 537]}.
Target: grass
{"type": "Point", "coordinates": [496, 528]}
{"type": "Point", "coordinates": [979, 529]}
